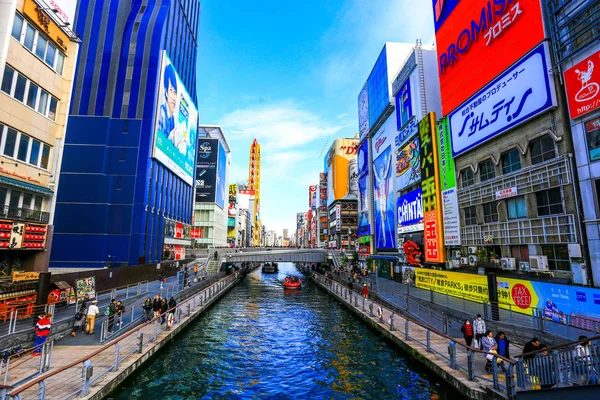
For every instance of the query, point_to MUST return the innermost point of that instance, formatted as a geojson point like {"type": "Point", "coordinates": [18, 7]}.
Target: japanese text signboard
{"type": "Point", "coordinates": [582, 82]}
{"type": "Point", "coordinates": [520, 93]}
{"type": "Point", "coordinates": [479, 39]}
{"type": "Point", "coordinates": [430, 185]}
{"type": "Point", "coordinates": [448, 185]}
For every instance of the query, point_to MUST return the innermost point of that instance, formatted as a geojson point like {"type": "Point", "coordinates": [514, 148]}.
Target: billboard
{"type": "Point", "coordinates": [520, 93]}
{"type": "Point", "coordinates": [582, 84]}
{"type": "Point", "coordinates": [430, 184]}
{"type": "Point", "coordinates": [364, 227]}
{"type": "Point", "coordinates": [176, 124]}
{"type": "Point", "coordinates": [363, 111]}
{"type": "Point", "coordinates": [408, 164]}
{"type": "Point", "coordinates": [409, 209]}
{"type": "Point", "coordinates": [206, 170]}
{"type": "Point", "coordinates": [233, 193]}
{"type": "Point", "coordinates": [450, 211]}
{"type": "Point", "coordinates": [339, 169]}
{"type": "Point", "coordinates": [404, 108]}
{"type": "Point", "coordinates": [479, 39]}
{"type": "Point", "coordinates": [221, 185]}
{"type": "Point", "coordinates": [385, 235]}
{"type": "Point", "coordinates": [312, 197]}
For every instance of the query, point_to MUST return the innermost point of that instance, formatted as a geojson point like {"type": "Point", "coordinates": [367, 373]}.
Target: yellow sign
{"type": "Point", "coordinates": [470, 286]}
{"type": "Point", "coordinates": [233, 190]}
{"type": "Point", "coordinates": [25, 276]}
{"type": "Point", "coordinates": [46, 24]}
{"type": "Point", "coordinates": [338, 159]}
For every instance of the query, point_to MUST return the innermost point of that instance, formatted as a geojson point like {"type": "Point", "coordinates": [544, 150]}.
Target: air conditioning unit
{"type": "Point", "coordinates": [471, 249]}
{"type": "Point", "coordinates": [464, 261]}
{"type": "Point", "coordinates": [538, 263]}
{"type": "Point", "coordinates": [452, 264]}
{"type": "Point", "coordinates": [455, 254]}
{"type": "Point", "coordinates": [524, 266]}
{"type": "Point", "coordinates": [508, 264]}
{"type": "Point", "coordinates": [472, 260]}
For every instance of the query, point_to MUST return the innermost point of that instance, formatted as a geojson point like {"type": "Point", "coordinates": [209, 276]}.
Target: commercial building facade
{"type": "Point", "coordinates": [128, 166]}
{"type": "Point", "coordinates": [38, 53]}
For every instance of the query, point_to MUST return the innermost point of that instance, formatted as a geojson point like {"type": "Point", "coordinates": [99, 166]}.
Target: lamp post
{"type": "Point", "coordinates": [112, 260]}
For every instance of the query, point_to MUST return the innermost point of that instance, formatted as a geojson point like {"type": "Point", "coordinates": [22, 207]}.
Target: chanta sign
{"type": "Point", "coordinates": [479, 39]}
{"type": "Point", "coordinates": [582, 82]}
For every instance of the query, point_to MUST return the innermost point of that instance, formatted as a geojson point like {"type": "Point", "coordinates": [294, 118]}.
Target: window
{"type": "Point", "coordinates": [549, 202]}
{"type": "Point", "coordinates": [3, 194]}
{"type": "Point", "coordinates": [29, 37]}
{"type": "Point", "coordinates": [467, 178]}
{"type": "Point", "coordinates": [516, 207]}
{"type": "Point", "coordinates": [45, 156]}
{"type": "Point", "coordinates": [520, 253]}
{"type": "Point", "coordinates": [558, 256]}
{"type": "Point", "coordinates": [43, 103]}
{"type": "Point", "coordinates": [35, 152]}
{"type": "Point", "coordinates": [11, 141]}
{"type": "Point", "coordinates": [17, 27]}
{"type": "Point", "coordinates": [32, 95]}
{"type": "Point", "coordinates": [52, 109]}
{"type": "Point", "coordinates": [471, 216]}
{"type": "Point", "coordinates": [542, 149]}
{"type": "Point", "coordinates": [60, 62]}
{"type": "Point", "coordinates": [122, 155]}
{"type": "Point", "coordinates": [15, 198]}
{"type": "Point", "coordinates": [20, 88]}
{"type": "Point", "coordinates": [592, 132]}
{"type": "Point", "coordinates": [490, 212]}
{"type": "Point", "coordinates": [27, 199]}
{"type": "Point", "coordinates": [7, 79]}
{"type": "Point", "coordinates": [23, 148]}
{"type": "Point", "coordinates": [40, 48]}
{"type": "Point", "coordinates": [39, 201]}
{"type": "Point", "coordinates": [486, 170]}
{"type": "Point", "coordinates": [511, 161]}
{"type": "Point", "coordinates": [50, 55]}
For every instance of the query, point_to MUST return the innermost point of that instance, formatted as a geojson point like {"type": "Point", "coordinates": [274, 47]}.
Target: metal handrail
{"type": "Point", "coordinates": [220, 285]}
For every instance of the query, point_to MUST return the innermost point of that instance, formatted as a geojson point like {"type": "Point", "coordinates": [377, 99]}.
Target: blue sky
{"type": "Point", "coordinates": [289, 73]}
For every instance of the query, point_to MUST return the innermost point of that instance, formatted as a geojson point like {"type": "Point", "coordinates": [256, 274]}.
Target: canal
{"type": "Point", "coordinates": [260, 341]}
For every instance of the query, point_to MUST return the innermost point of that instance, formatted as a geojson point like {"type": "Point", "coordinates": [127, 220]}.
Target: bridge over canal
{"type": "Point", "coordinates": [278, 255]}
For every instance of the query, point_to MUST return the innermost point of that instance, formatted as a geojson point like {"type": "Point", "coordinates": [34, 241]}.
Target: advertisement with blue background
{"type": "Point", "coordinates": [385, 236]}
{"type": "Point", "coordinates": [364, 228]}
{"type": "Point", "coordinates": [409, 210]}
{"type": "Point", "coordinates": [206, 170]}
{"type": "Point", "coordinates": [176, 124]}
{"type": "Point", "coordinates": [220, 195]}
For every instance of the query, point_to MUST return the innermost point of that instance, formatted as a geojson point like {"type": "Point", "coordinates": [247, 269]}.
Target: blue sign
{"type": "Point", "coordinates": [363, 210]}
{"type": "Point", "coordinates": [204, 150]}
{"type": "Point", "coordinates": [410, 209]}
{"type": "Point", "coordinates": [220, 195]}
{"type": "Point", "coordinates": [517, 95]}
{"type": "Point", "coordinates": [363, 158]}
{"type": "Point", "coordinates": [385, 232]}
{"type": "Point", "coordinates": [404, 110]}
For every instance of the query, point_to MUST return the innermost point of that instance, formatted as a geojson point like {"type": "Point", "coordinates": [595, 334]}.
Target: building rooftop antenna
{"type": "Point", "coordinates": [323, 149]}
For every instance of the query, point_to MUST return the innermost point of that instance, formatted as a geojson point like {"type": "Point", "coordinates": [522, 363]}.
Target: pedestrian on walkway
{"type": "Point", "coordinates": [195, 270]}
{"type": "Point", "coordinates": [171, 306]}
{"type": "Point", "coordinates": [365, 291]}
{"type": "Point", "coordinates": [111, 310]}
{"type": "Point", "coordinates": [42, 329]}
{"type": "Point", "coordinates": [90, 318]}
{"type": "Point", "coordinates": [531, 346]}
{"type": "Point", "coordinates": [489, 346]}
{"type": "Point", "coordinates": [156, 306]}
{"type": "Point", "coordinates": [186, 279]}
{"type": "Point", "coordinates": [148, 308]}
{"type": "Point", "coordinates": [585, 366]}
{"type": "Point", "coordinates": [467, 331]}
{"type": "Point", "coordinates": [80, 317]}
{"type": "Point", "coordinates": [120, 313]}
{"type": "Point", "coordinates": [164, 307]}
{"type": "Point", "coordinates": [350, 285]}
{"type": "Point", "coordinates": [479, 328]}
{"type": "Point", "coordinates": [542, 369]}
{"type": "Point", "coordinates": [503, 344]}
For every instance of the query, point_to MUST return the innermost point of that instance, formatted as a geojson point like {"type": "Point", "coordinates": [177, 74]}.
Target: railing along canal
{"type": "Point", "coordinates": [78, 377]}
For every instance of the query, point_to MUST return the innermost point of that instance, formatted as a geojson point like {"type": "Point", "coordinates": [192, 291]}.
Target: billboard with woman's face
{"type": "Point", "coordinates": [176, 124]}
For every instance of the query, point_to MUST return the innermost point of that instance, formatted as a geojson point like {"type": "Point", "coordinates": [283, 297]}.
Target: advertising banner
{"type": "Point", "coordinates": [176, 124]}
{"type": "Point", "coordinates": [385, 235]}
{"type": "Point", "coordinates": [408, 164]}
{"type": "Point", "coordinates": [363, 111]}
{"type": "Point", "coordinates": [583, 86]}
{"type": "Point", "coordinates": [338, 218]}
{"type": "Point", "coordinates": [206, 170]}
{"type": "Point", "coordinates": [221, 177]}
{"type": "Point", "coordinates": [85, 289]}
{"type": "Point", "coordinates": [233, 193]}
{"type": "Point", "coordinates": [404, 108]}
{"type": "Point", "coordinates": [312, 197]}
{"type": "Point", "coordinates": [430, 184]}
{"type": "Point", "coordinates": [470, 286]}
{"type": "Point", "coordinates": [410, 248]}
{"type": "Point", "coordinates": [479, 39]}
{"type": "Point", "coordinates": [519, 94]}
{"type": "Point", "coordinates": [506, 193]}
{"type": "Point", "coordinates": [364, 228]}
{"type": "Point", "coordinates": [337, 168]}
{"type": "Point", "coordinates": [450, 210]}
{"type": "Point", "coordinates": [592, 134]}
{"type": "Point", "coordinates": [410, 212]}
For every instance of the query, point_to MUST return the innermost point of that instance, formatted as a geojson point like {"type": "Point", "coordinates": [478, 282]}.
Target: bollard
{"type": "Point", "coordinates": [371, 309]}
{"type": "Point", "coordinates": [363, 304]}
{"type": "Point", "coordinates": [471, 364]}
{"type": "Point", "coordinates": [406, 329]}
{"type": "Point", "coordinates": [116, 363]}
{"type": "Point", "coordinates": [155, 330]}
{"type": "Point", "coordinates": [431, 295]}
{"type": "Point", "coordinates": [392, 322]}
{"type": "Point", "coordinates": [189, 308]}
{"type": "Point", "coordinates": [139, 288]}
{"type": "Point", "coordinates": [41, 390]}
{"type": "Point", "coordinates": [140, 341]}
{"type": "Point", "coordinates": [445, 331]}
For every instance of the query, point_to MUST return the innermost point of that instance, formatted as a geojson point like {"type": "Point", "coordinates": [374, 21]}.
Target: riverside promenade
{"type": "Point", "coordinates": [92, 371]}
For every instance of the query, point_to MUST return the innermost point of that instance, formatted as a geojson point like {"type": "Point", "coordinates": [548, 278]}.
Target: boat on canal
{"type": "Point", "coordinates": [270, 268]}
{"type": "Point", "coordinates": [292, 282]}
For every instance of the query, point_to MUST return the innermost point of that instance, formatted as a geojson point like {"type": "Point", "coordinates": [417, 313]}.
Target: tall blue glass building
{"type": "Point", "coordinates": [126, 189]}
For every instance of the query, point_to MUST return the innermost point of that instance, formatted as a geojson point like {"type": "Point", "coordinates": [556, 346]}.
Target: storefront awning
{"type": "Point", "coordinates": [24, 185]}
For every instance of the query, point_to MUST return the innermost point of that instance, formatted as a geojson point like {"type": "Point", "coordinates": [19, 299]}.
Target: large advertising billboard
{"type": "Point", "coordinates": [479, 39]}
{"type": "Point", "coordinates": [364, 227]}
{"type": "Point", "coordinates": [221, 186]}
{"type": "Point", "coordinates": [176, 124]}
{"type": "Point", "coordinates": [408, 164]}
{"type": "Point", "coordinates": [206, 170]}
{"type": "Point", "coordinates": [312, 197]}
{"type": "Point", "coordinates": [409, 209]}
{"type": "Point", "coordinates": [363, 111]}
{"type": "Point", "coordinates": [450, 210]}
{"type": "Point", "coordinates": [340, 167]}
{"type": "Point", "coordinates": [520, 93]}
{"type": "Point", "coordinates": [582, 82]}
{"type": "Point", "coordinates": [385, 230]}
{"type": "Point", "coordinates": [430, 184]}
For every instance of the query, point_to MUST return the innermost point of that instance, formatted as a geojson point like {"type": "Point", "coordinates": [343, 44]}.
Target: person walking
{"type": "Point", "coordinates": [489, 346]}
{"type": "Point", "coordinates": [90, 319]}
{"type": "Point", "coordinates": [148, 308]}
{"type": "Point", "coordinates": [479, 329]}
{"type": "Point", "coordinates": [156, 306]}
{"type": "Point", "coordinates": [531, 346]}
{"type": "Point", "coordinates": [42, 329]}
{"type": "Point", "coordinates": [467, 331]}
{"type": "Point", "coordinates": [80, 317]}
{"type": "Point", "coordinates": [164, 307]}
{"type": "Point", "coordinates": [111, 310]}
{"type": "Point", "coordinates": [503, 347]}
{"type": "Point", "coordinates": [365, 291]}
{"type": "Point", "coordinates": [588, 375]}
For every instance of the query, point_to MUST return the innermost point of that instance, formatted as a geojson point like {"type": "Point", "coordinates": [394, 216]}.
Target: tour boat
{"type": "Point", "coordinates": [290, 283]}
{"type": "Point", "coordinates": [270, 268]}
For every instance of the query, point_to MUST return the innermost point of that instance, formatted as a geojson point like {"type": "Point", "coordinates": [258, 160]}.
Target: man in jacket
{"type": "Point", "coordinates": [42, 329]}
{"type": "Point", "coordinates": [532, 345]}
{"type": "Point", "coordinates": [90, 318]}
{"type": "Point", "coordinates": [479, 328]}
{"type": "Point", "coordinates": [148, 308]}
{"type": "Point", "coordinates": [112, 310]}
{"type": "Point", "coordinates": [156, 306]}
{"type": "Point", "coordinates": [503, 344]}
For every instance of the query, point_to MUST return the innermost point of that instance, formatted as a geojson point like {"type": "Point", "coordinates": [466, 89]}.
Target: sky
{"type": "Point", "coordinates": [288, 74]}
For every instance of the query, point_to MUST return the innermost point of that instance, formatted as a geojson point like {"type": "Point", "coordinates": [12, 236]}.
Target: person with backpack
{"type": "Point", "coordinates": [467, 331]}
{"type": "Point", "coordinates": [120, 311]}
{"type": "Point", "coordinates": [42, 330]}
{"type": "Point", "coordinates": [480, 330]}
{"type": "Point", "coordinates": [110, 311]}
{"type": "Point", "coordinates": [164, 307]}
{"type": "Point", "coordinates": [148, 308]}
{"type": "Point", "coordinates": [80, 317]}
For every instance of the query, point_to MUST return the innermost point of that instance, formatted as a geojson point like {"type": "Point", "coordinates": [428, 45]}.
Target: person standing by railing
{"type": "Point", "coordinates": [42, 330]}
{"type": "Point", "coordinates": [480, 331]}
{"type": "Point", "coordinates": [582, 356]}
{"type": "Point", "coordinates": [120, 311]}
{"type": "Point", "coordinates": [80, 318]}
{"type": "Point", "coordinates": [148, 308]}
{"type": "Point", "coordinates": [365, 291]}
{"type": "Point", "coordinates": [111, 310]}
{"type": "Point", "coordinates": [90, 319]}
{"type": "Point", "coordinates": [490, 346]}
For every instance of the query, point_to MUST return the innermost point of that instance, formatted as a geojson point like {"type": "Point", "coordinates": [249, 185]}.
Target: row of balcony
{"type": "Point", "coordinates": [24, 214]}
